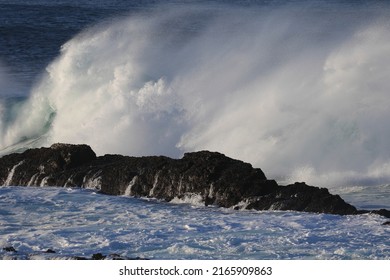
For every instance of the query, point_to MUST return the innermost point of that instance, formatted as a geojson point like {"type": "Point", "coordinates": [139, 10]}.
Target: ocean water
{"type": "Point", "coordinates": [297, 88]}
{"type": "Point", "coordinates": [75, 222]}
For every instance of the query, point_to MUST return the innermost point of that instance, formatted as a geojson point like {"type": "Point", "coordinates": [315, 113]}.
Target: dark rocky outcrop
{"type": "Point", "coordinates": [9, 249]}
{"type": "Point", "coordinates": [211, 177]}
{"type": "Point", "coordinates": [40, 166]}
{"type": "Point", "coordinates": [381, 212]}
{"type": "Point", "coordinates": [98, 256]}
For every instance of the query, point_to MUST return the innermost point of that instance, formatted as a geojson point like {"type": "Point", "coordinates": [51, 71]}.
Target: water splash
{"type": "Point", "coordinates": [300, 93]}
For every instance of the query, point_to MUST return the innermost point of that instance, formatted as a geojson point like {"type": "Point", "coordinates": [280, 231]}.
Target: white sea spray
{"type": "Point", "coordinates": [301, 94]}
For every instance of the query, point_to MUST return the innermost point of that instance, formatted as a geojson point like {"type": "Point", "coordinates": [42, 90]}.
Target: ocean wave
{"type": "Point", "coordinates": [301, 94]}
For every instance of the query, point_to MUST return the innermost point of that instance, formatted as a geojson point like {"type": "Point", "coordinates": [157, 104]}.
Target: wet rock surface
{"type": "Point", "coordinates": [210, 176]}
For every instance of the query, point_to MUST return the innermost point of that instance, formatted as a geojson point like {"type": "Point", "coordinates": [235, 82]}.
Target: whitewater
{"type": "Point", "coordinates": [299, 89]}
{"type": "Point", "coordinates": [75, 222]}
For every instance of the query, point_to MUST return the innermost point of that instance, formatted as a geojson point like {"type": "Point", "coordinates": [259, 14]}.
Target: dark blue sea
{"type": "Point", "coordinates": [299, 89]}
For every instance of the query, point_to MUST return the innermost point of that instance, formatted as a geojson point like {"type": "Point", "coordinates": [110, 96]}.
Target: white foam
{"type": "Point", "coordinates": [155, 184]}
{"type": "Point", "coordinates": [44, 181]}
{"type": "Point", "coordinates": [81, 223]}
{"type": "Point", "coordinates": [190, 198]}
{"type": "Point", "coordinates": [93, 182]}
{"type": "Point", "coordinates": [131, 184]}
{"type": "Point", "coordinates": [32, 181]}
{"type": "Point", "coordinates": [11, 173]}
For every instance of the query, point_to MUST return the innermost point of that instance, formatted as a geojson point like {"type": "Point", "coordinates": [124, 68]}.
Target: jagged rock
{"type": "Point", "coordinates": [98, 256]}
{"type": "Point", "coordinates": [301, 197]}
{"type": "Point", "coordinates": [40, 166]}
{"type": "Point", "coordinates": [210, 176]}
{"type": "Point", "coordinates": [9, 249]}
{"type": "Point", "coordinates": [382, 212]}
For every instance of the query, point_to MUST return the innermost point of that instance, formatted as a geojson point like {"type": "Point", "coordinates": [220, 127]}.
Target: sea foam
{"type": "Point", "coordinates": [78, 222]}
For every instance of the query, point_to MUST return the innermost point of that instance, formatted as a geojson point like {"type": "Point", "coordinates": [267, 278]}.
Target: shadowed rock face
{"type": "Point", "coordinates": [209, 176]}
{"type": "Point", "coordinates": [40, 167]}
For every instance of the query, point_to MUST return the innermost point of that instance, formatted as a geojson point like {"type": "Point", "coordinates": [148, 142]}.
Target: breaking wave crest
{"type": "Point", "coordinates": [303, 95]}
